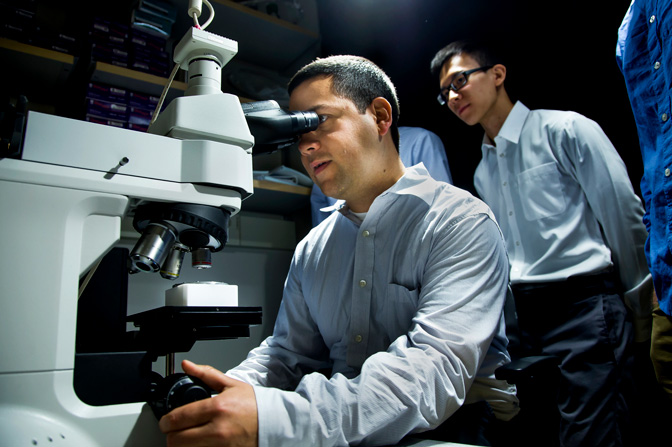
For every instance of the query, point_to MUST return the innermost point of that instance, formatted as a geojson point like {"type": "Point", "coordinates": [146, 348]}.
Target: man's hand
{"type": "Point", "coordinates": [228, 419]}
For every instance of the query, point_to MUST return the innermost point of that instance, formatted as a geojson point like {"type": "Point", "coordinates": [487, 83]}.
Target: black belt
{"type": "Point", "coordinates": [573, 288]}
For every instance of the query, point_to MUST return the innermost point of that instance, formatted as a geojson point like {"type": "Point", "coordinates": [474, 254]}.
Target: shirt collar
{"type": "Point", "coordinates": [513, 125]}
{"type": "Point", "coordinates": [413, 182]}
{"type": "Point", "coordinates": [335, 207]}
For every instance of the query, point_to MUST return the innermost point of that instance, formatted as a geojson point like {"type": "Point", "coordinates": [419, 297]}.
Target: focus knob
{"type": "Point", "coordinates": [177, 390]}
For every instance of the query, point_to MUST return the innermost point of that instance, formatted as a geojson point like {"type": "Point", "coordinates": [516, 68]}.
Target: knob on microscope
{"type": "Point", "coordinates": [177, 390]}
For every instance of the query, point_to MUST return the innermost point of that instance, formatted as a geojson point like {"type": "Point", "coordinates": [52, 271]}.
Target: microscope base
{"type": "Point", "coordinates": [42, 409]}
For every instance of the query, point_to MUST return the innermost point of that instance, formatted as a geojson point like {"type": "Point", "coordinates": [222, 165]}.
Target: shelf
{"type": "Point", "coordinates": [30, 69]}
{"type": "Point", "coordinates": [262, 39]}
{"type": "Point", "coordinates": [277, 198]}
{"type": "Point", "coordinates": [136, 80]}
{"type": "Point", "coordinates": [30, 50]}
{"type": "Point", "coordinates": [282, 187]}
{"type": "Point", "coordinates": [47, 71]}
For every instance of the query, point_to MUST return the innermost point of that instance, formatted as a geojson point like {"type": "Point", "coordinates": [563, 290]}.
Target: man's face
{"type": "Point", "coordinates": [474, 100]}
{"type": "Point", "coordinates": [340, 155]}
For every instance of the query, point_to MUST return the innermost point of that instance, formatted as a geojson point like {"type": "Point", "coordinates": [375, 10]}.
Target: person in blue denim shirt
{"type": "Point", "coordinates": [644, 55]}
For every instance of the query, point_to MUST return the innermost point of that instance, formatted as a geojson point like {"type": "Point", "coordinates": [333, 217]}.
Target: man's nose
{"type": "Point", "coordinates": [452, 94]}
{"type": "Point", "coordinates": [308, 143]}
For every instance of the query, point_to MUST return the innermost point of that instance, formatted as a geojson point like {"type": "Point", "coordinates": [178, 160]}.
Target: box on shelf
{"type": "Point", "coordinates": [21, 32]}
{"type": "Point", "coordinates": [106, 122]}
{"type": "Point", "coordinates": [139, 116]}
{"type": "Point", "coordinates": [107, 93]}
{"type": "Point", "coordinates": [143, 101]}
{"type": "Point", "coordinates": [107, 110]}
{"type": "Point", "coordinates": [140, 40]}
{"type": "Point", "coordinates": [119, 107]}
{"type": "Point", "coordinates": [110, 54]}
{"type": "Point", "coordinates": [20, 24]}
{"type": "Point", "coordinates": [154, 17]}
{"type": "Point", "coordinates": [148, 53]}
{"type": "Point", "coordinates": [103, 30]}
{"type": "Point", "coordinates": [137, 127]}
{"type": "Point", "coordinates": [108, 41]}
{"type": "Point", "coordinates": [64, 42]}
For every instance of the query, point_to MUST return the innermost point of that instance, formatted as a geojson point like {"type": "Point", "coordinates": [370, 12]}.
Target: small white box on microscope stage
{"type": "Point", "coordinates": [203, 294]}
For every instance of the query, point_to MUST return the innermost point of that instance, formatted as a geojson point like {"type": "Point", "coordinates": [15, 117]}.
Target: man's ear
{"type": "Point", "coordinates": [383, 113]}
{"type": "Point", "coordinates": [499, 71]}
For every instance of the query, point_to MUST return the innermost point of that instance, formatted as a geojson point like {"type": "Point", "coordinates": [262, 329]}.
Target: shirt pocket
{"type": "Point", "coordinates": [541, 192]}
{"type": "Point", "coordinates": [399, 308]}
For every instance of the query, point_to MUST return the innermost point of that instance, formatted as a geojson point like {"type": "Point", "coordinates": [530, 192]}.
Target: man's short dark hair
{"type": "Point", "coordinates": [354, 78]}
{"type": "Point", "coordinates": [479, 51]}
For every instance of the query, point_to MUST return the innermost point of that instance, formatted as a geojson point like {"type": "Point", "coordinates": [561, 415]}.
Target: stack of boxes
{"type": "Point", "coordinates": [156, 17]}
{"type": "Point", "coordinates": [114, 106]}
{"type": "Point", "coordinates": [109, 42]}
{"type": "Point", "coordinates": [125, 46]}
{"type": "Point", "coordinates": [148, 53]}
{"type": "Point", "coordinates": [140, 111]}
{"type": "Point", "coordinates": [139, 44]}
{"type": "Point", "coordinates": [151, 25]}
{"type": "Point", "coordinates": [19, 21]}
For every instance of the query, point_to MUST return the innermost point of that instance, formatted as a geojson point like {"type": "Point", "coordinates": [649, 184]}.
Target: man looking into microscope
{"type": "Point", "coordinates": [399, 296]}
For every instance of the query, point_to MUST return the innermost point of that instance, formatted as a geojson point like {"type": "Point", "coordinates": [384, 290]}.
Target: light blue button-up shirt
{"type": "Point", "coordinates": [564, 201]}
{"type": "Point", "coordinates": [405, 310]}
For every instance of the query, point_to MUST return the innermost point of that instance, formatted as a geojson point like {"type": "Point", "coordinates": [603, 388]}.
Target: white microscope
{"type": "Point", "coordinates": [63, 197]}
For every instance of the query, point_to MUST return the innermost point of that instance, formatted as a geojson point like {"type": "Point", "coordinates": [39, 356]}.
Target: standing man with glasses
{"type": "Point", "coordinates": [574, 233]}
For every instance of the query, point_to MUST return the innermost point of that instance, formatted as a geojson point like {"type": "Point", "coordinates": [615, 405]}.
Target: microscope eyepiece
{"type": "Point", "coordinates": [274, 128]}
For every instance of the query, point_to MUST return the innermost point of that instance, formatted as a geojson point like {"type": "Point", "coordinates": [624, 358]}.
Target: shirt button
{"type": "Point", "coordinates": [365, 233]}
{"type": "Point", "coordinates": [664, 117]}
{"type": "Point", "coordinates": [656, 66]}
{"type": "Point", "coordinates": [652, 19]}
{"type": "Point", "coordinates": [501, 154]}
{"type": "Point", "coordinates": [358, 338]}
{"type": "Point", "coordinates": [503, 183]}
{"type": "Point", "coordinates": [667, 172]}
{"type": "Point", "coordinates": [362, 283]}
{"type": "Point", "coordinates": [510, 213]}
{"type": "Point", "coordinates": [517, 243]}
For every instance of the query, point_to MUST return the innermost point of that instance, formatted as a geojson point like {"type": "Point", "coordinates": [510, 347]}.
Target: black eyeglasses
{"type": "Point", "coordinates": [459, 81]}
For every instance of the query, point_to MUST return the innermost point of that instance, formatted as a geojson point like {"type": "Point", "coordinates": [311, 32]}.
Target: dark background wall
{"type": "Point", "coordinates": [560, 55]}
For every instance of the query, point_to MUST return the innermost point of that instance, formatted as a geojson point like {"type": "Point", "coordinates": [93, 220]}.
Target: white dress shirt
{"type": "Point", "coordinates": [405, 310]}
{"type": "Point", "coordinates": [564, 201]}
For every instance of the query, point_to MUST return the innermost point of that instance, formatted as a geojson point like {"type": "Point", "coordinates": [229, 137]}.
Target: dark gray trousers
{"type": "Point", "coordinates": [583, 322]}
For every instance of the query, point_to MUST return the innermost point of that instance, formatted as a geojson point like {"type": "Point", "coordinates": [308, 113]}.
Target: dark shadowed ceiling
{"type": "Point", "coordinates": [560, 55]}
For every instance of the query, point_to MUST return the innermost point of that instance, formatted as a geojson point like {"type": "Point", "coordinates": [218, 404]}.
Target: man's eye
{"type": "Point", "coordinates": [322, 118]}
